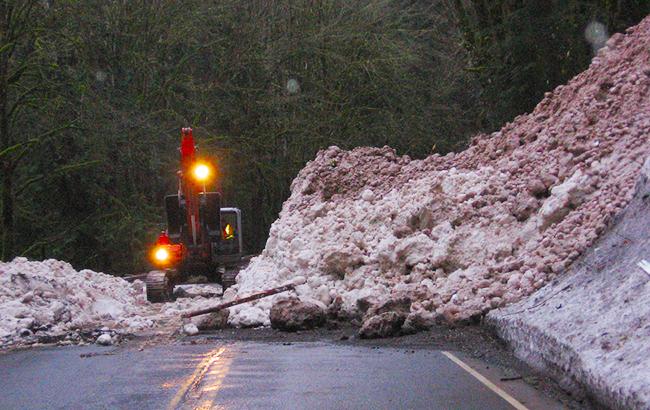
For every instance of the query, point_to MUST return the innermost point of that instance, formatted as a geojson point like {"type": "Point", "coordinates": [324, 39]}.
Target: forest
{"type": "Point", "coordinates": [93, 95]}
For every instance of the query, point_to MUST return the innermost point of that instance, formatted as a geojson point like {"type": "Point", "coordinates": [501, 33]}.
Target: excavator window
{"type": "Point", "coordinates": [231, 240]}
{"type": "Point", "coordinates": [228, 232]}
{"type": "Point", "coordinates": [174, 216]}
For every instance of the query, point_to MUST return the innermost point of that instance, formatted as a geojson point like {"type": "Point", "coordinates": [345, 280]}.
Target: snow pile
{"type": "Point", "coordinates": [51, 298]}
{"type": "Point", "coordinates": [468, 232]}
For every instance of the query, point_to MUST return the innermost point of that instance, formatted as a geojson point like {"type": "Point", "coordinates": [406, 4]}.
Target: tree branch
{"type": "Point", "coordinates": [15, 147]}
{"type": "Point", "coordinates": [59, 171]}
{"type": "Point", "coordinates": [21, 98]}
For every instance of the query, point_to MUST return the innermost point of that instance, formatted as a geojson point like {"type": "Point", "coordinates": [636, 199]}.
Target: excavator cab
{"type": "Point", "coordinates": [230, 251]}
{"type": "Point", "coordinates": [201, 237]}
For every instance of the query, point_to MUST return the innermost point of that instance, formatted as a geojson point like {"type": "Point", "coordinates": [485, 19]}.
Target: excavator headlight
{"type": "Point", "coordinates": [201, 172]}
{"type": "Point", "coordinates": [161, 254]}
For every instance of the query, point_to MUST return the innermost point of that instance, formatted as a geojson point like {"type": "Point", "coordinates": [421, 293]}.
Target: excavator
{"type": "Point", "coordinates": [201, 238]}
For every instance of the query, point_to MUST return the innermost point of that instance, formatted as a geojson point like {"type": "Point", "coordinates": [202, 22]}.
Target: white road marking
{"type": "Point", "coordinates": [478, 376]}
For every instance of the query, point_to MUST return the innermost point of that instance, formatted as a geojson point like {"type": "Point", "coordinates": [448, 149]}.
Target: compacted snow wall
{"type": "Point", "coordinates": [465, 233]}
{"type": "Point", "coordinates": [591, 328]}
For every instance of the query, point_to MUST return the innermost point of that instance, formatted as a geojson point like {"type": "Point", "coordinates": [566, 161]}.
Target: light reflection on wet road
{"type": "Point", "coordinates": [239, 375]}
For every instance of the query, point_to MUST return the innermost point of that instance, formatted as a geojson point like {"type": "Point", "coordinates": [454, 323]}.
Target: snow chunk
{"type": "Point", "coordinates": [564, 197]}
{"type": "Point", "coordinates": [190, 329]}
{"type": "Point", "coordinates": [104, 340]}
{"type": "Point", "coordinates": [367, 195]}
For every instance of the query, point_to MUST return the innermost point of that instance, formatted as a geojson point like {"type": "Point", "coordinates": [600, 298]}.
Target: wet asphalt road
{"type": "Point", "coordinates": [242, 375]}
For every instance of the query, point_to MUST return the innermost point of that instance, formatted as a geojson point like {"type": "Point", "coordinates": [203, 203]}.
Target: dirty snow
{"type": "Point", "coordinates": [465, 233]}
{"type": "Point", "coordinates": [52, 298]}
{"type": "Point", "coordinates": [51, 301]}
{"type": "Point", "coordinates": [104, 340]}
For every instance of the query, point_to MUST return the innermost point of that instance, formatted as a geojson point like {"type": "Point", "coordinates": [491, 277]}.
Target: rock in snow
{"type": "Point", "coordinates": [212, 321]}
{"type": "Point", "coordinates": [383, 325]}
{"type": "Point", "coordinates": [468, 232]}
{"type": "Point", "coordinates": [384, 319]}
{"type": "Point", "coordinates": [293, 314]}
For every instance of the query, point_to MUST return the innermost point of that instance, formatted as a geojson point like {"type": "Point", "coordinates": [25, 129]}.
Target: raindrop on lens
{"type": "Point", "coordinates": [293, 87]}
{"type": "Point", "coordinates": [596, 35]}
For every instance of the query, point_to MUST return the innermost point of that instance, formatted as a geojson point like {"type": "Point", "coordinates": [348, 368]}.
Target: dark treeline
{"type": "Point", "coordinates": [93, 94]}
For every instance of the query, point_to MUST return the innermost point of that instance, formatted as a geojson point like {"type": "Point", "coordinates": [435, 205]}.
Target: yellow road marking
{"type": "Point", "coordinates": [196, 377]}
{"type": "Point", "coordinates": [214, 381]}
{"type": "Point", "coordinates": [505, 396]}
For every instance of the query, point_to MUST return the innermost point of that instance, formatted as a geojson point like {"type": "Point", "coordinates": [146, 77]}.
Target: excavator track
{"type": "Point", "coordinates": [160, 287]}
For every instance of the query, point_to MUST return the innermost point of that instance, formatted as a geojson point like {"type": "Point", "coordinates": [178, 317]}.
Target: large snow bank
{"type": "Point", "coordinates": [467, 232]}
{"type": "Point", "coordinates": [591, 328]}
{"type": "Point", "coordinates": [52, 298]}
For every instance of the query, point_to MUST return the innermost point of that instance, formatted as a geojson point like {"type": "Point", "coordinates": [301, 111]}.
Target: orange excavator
{"type": "Point", "coordinates": [201, 237]}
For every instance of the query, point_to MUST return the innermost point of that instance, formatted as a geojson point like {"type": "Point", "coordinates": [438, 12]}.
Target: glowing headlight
{"type": "Point", "coordinates": [161, 255]}
{"type": "Point", "coordinates": [201, 172]}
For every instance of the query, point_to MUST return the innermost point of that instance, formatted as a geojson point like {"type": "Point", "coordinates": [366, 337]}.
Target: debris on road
{"type": "Point", "coordinates": [212, 321]}
{"type": "Point", "coordinates": [467, 232]}
{"type": "Point", "coordinates": [384, 319]}
{"type": "Point", "coordinates": [292, 314]}
{"type": "Point", "coordinates": [452, 236]}
{"type": "Point", "coordinates": [382, 325]}
{"type": "Point", "coordinates": [255, 296]}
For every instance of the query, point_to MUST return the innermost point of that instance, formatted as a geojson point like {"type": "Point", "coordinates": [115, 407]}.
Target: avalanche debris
{"type": "Point", "coordinates": [468, 232]}
{"type": "Point", "coordinates": [401, 244]}
{"type": "Point", "coordinates": [43, 301]}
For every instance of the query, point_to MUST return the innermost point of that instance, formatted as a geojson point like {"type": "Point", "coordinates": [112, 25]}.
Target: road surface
{"type": "Point", "coordinates": [250, 375]}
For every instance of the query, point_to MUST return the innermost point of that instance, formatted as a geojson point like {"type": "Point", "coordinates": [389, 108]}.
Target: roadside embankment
{"type": "Point", "coordinates": [590, 329]}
